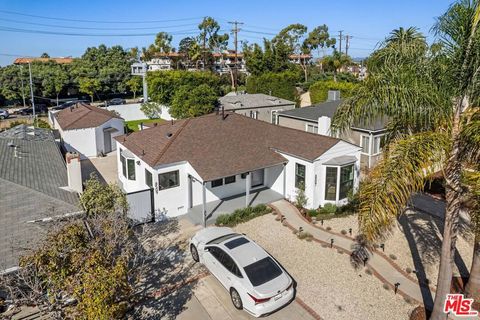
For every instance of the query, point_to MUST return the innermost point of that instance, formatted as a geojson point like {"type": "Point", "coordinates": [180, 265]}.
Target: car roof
{"type": "Point", "coordinates": [245, 253]}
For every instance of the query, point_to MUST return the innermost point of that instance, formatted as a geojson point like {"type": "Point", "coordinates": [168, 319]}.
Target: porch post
{"type": "Point", "coordinates": [204, 204]}
{"type": "Point", "coordinates": [247, 190]}
{"type": "Point", "coordinates": [284, 180]}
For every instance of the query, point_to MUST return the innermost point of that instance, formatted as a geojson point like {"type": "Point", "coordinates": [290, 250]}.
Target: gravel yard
{"type": "Point", "coordinates": [326, 281]}
{"type": "Point", "coordinates": [416, 243]}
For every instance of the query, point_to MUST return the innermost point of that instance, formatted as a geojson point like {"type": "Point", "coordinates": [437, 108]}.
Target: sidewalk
{"type": "Point", "coordinates": [381, 267]}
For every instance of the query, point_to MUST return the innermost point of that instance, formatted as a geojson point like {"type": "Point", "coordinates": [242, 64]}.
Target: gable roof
{"type": "Point", "coordinates": [328, 109]}
{"type": "Point", "coordinates": [83, 116]}
{"type": "Point", "coordinates": [251, 101]}
{"type": "Point", "coordinates": [218, 147]}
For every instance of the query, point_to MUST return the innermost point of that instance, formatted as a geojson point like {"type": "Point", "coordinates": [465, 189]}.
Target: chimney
{"type": "Point", "coordinates": [74, 172]}
{"type": "Point", "coordinates": [141, 126]}
{"type": "Point", "coordinates": [333, 95]}
{"type": "Point", "coordinates": [324, 125]}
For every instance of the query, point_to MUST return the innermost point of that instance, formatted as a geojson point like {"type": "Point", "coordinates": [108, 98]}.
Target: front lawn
{"type": "Point", "coordinates": [133, 125]}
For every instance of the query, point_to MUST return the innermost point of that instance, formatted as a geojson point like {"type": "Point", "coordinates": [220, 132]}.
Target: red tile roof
{"type": "Point", "coordinates": [83, 116]}
{"type": "Point", "coordinates": [28, 60]}
{"type": "Point", "coordinates": [218, 147]}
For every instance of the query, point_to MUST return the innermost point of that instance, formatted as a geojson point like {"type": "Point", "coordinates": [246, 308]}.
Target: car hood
{"type": "Point", "coordinates": [205, 235]}
{"type": "Point", "coordinates": [272, 287]}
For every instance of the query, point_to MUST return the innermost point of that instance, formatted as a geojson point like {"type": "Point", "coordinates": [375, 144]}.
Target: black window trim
{"type": "Point", "coordinates": [217, 183]}
{"type": "Point", "coordinates": [177, 172]}
{"type": "Point", "coordinates": [229, 182]}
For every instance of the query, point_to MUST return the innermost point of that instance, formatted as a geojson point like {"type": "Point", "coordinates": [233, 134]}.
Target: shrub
{"type": "Point", "coordinates": [312, 213]}
{"type": "Point", "coordinates": [368, 271]}
{"type": "Point", "coordinates": [329, 228]}
{"type": "Point", "coordinates": [151, 110]}
{"type": "Point", "coordinates": [340, 251]}
{"type": "Point", "coordinates": [328, 208]}
{"type": "Point", "coordinates": [392, 256]}
{"type": "Point", "coordinates": [43, 124]}
{"type": "Point", "coordinates": [344, 232]}
{"type": "Point", "coordinates": [386, 286]}
{"type": "Point", "coordinates": [281, 84]}
{"type": "Point", "coordinates": [408, 270]}
{"type": "Point", "coordinates": [304, 235]}
{"type": "Point", "coordinates": [16, 123]}
{"type": "Point", "coordinates": [319, 90]}
{"type": "Point", "coordinates": [243, 215]}
{"type": "Point", "coordinates": [300, 198]}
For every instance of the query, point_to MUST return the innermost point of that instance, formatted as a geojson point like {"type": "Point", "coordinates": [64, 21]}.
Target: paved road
{"type": "Point", "coordinates": [211, 301]}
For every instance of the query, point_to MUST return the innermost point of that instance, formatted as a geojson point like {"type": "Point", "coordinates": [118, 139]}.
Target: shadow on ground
{"type": "Point", "coordinates": [167, 263]}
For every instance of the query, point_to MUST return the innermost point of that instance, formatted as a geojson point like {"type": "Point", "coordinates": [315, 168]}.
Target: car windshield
{"type": "Point", "coordinates": [262, 271]}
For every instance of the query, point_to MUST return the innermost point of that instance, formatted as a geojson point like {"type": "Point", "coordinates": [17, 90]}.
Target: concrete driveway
{"type": "Point", "coordinates": [211, 301]}
{"type": "Point", "coordinates": [104, 167]}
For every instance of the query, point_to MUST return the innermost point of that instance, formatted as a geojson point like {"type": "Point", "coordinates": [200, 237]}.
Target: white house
{"type": "Point", "coordinates": [88, 130]}
{"type": "Point", "coordinates": [195, 161]}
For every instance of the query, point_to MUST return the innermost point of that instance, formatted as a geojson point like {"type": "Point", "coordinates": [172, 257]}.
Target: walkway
{"type": "Point", "coordinates": [381, 266]}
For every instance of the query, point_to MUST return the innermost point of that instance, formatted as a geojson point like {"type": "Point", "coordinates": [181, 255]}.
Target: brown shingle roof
{"type": "Point", "coordinates": [28, 60]}
{"type": "Point", "coordinates": [83, 116]}
{"type": "Point", "coordinates": [218, 148]}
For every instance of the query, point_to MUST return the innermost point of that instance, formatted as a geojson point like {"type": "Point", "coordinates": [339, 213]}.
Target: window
{"type": "Point", "coordinates": [217, 183]}
{"type": "Point", "coordinates": [244, 175]}
{"type": "Point", "coordinates": [254, 114]}
{"type": "Point", "coordinates": [377, 144]}
{"type": "Point", "coordinates": [225, 260]}
{"type": "Point", "coordinates": [168, 180]}
{"type": "Point", "coordinates": [299, 175]}
{"type": "Point", "coordinates": [230, 179]}
{"type": "Point", "coordinates": [148, 178]}
{"type": "Point", "coordinates": [313, 128]}
{"type": "Point", "coordinates": [275, 116]}
{"type": "Point", "coordinates": [262, 271]}
{"type": "Point", "coordinates": [346, 181]}
{"type": "Point", "coordinates": [365, 143]}
{"type": "Point", "coordinates": [124, 165]}
{"type": "Point", "coordinates": [331, 183]}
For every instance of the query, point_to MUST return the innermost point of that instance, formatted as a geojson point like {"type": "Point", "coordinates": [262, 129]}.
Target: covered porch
{"type": "Point", "coordinates": [228, 205]}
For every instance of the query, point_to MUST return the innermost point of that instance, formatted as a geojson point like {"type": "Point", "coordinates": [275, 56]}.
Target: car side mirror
{"type": "Point", "coordinates": [207, 249]}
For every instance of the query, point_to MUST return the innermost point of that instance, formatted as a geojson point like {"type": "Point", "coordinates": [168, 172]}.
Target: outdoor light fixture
{"type": "Point", "coordinates": [382, 245]}
{"type": "Point", "coordinates": [396, 287]}
{"type": "Point", "coordinates": [331, 243]}
{"type": "Point", "coordinates": [365, 261]}
{"type": "Point", "coordinates": [350, 231]}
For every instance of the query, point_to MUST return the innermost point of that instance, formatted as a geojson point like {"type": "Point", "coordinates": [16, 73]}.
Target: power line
{"type": "Point", "coordinates": [19, 30]}
{"type": "Point", "coordinates": [94, 21]}
{"type": "Point", "coordinates": [96, 28]}
{"type": "Point", "coordinates": [259, 32]}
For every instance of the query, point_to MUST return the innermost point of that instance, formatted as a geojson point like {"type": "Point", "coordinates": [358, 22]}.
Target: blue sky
{"type": "Point", "coordinates": [367, 21]}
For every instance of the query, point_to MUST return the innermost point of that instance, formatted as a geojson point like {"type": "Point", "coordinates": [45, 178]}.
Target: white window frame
{"type": "Point", "coordinates": [126, 173]}
{"type": "Point", "coordinates": [274, 113]}
{"type": "Point", "coordinates": [375, 137]}
{"type": "Point", "coordinates": [314, 126]}
{"type": "Point", "coordinates": [369, 143]}
{"type": "Point", "coordinates": [254, 114]}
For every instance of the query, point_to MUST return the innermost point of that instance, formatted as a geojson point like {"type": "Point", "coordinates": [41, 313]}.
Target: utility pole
{"type": "Point", "coordinates": [31, 92]}
{"type": "Point", "coordinates": [235, 31]}
{"type": "Point", "coordinates": [347, 43]}
{"type": "Point", "coordinates": [340, 37]}
{"type": "Point", "coordinates": [23, 89]}
{"type": "Point", "coordinates": [204, 49]}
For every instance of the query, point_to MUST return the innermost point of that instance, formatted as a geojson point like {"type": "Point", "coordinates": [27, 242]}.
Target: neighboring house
{"type": "Point", "coordinates": [88, 130]}
{"type": "Point", "coordinates": [165, 61]}
{"type": "Point", "coordinates": [301, 59]}
{"type": "Point", "coordinates": [224, 62]}
{"type": "Point", "coordinates": [33, 186]}
{"type": "Point", "coordinates": [257, 106]}
{"type": "Point", "coordinates": [317, 119]}
{"type": "Point", "coordinates": [192, 162]}
{"type": "Point", "coordinates": [61, 60]}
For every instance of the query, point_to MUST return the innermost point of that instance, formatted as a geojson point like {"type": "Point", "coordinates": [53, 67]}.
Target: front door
{"type": "Point", "coordinates": [107, 140]}
{"type": "Point", "coordinates": [257, 177]}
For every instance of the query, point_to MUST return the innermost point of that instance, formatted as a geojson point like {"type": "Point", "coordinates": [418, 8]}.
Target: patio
{"type": "Point", "coordinates": [230, 204]}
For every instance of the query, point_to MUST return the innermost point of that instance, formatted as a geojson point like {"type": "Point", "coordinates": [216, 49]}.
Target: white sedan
{"type": "Point", "coordinates": [255, 281]}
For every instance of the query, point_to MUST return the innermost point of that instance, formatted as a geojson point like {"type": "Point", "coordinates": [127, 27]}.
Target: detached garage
{"type": "Point", "coordinates": [88, 130]}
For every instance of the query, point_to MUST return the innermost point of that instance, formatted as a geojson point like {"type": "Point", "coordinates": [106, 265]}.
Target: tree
{"type": "Point", "coordinates": [472, 182]}
{"type": "Point", "coordinates": [280, 84]}
{"type": "Point", "coordinates": [191, 101]}
{"type": "Point", "coordinates": [151, 109]}
{"type": "Point", "coordinates": [135, 84]}
{"type": "Point", "coordinates": [211, 39]}
{"type": "Point", "coordinates": [89, 86]}
{"type": "Point", "coordinates": [102, 199]}
{"type": "Point", "coordinates": [44, 55]}
{"type": "Point", "coordinates": [55, 79]}
{"type": "Point", "coordinates": [429, 127]}
{"type": "Point", "coordinates": [335, 62]}
{"type": "Point", "coordinates": [319, 90]}
{"type": "Point", "coordinates": [318, 38]}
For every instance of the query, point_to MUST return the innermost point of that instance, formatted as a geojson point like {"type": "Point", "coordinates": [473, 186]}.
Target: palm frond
{"type": "Point", "coordinates": [405, 168]}
{"type": "Point", "coordinates": [470, 137]}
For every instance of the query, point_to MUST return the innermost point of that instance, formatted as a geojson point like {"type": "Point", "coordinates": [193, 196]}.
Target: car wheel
{"type": "Point", "coordinates": [2, 117]}
{"type": "Point", "coordinates": [236, 300]}
{"type": "Point", "coordinates": [194, 252]}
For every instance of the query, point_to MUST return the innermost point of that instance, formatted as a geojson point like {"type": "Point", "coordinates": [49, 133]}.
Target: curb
{"type": "Point", "coordinates": [169, 289]}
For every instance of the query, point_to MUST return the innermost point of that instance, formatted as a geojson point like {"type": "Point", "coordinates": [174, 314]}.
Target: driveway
{"type": "Point", "coordinates": [211, 301]}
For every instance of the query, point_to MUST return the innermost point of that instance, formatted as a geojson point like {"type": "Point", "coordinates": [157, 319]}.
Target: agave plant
{"type": "Point", "coordinates": [429, 95]}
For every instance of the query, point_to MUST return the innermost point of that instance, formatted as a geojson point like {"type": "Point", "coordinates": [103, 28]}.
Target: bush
{"type": "Point", "coordinates": [15, 123]}
{"type": "Point", "coordinates": [386, 286]}
{"type": "Point", "coordinates": [151, 110]}
{"type": "Point", "coordinates": [408, 270]}
{"type": "Point", "coordinates": [344, 232]}
{"type": "Point", "coordinates": [242, 215]}
{"type": "Point", "coordinates": [392, 256]}
{"type": "Point", "coordinates": [301, 199]}
{"type": "Point", "coordinates": [304, 235]}
{"type": "Point", "coordinates": [328, 208]}
{"type": "Point", "coordinates": [43, 124]}
{"type": "Point", "coordinates": [312, 213]}
{"type": "Point", "coordinates": [368, 271]}
{"type": "Point", "coordinates": [278, 84]}
{"type": "Point", "coordinates": [319, 90]}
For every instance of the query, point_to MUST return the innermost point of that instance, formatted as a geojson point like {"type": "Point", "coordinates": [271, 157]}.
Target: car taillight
{"type": "Point", "coordinates": [258, 300]}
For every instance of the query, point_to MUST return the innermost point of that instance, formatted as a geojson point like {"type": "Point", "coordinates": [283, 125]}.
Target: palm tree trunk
{"type": "Point", "coordinates": [472, 289]}
{"type": "Point", "coordinates": [452, 212]}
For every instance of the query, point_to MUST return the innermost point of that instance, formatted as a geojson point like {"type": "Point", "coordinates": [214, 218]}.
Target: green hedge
{"type": "Point", "coordinates": [278, 84]}
{"type": "Point", "coordinates": [319, 90]}
{"type": "Point", "coordinates": [242, 215]}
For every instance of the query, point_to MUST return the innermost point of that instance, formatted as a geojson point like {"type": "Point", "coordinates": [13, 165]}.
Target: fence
{"type": "Point", "coordinates": [141, 206]}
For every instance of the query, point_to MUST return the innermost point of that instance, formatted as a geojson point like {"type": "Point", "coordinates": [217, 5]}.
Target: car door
{"type": "Point", "coordinates": [229, 271]}
{"type": "Point", "coordinates": [211, 260]}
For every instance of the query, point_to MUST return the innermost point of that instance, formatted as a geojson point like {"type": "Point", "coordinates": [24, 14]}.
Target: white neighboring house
{"type": "Point", "coordinates": [88, 130]}
{"type": "Point", "coordinates": [192, 162]}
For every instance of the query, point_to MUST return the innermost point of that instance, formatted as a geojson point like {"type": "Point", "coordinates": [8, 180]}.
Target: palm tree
{"type": "Point", "coordinates": [405, 35]}
{"type": "Point", "coordinates": [427, 95]}
{"type": "Point", "coordinates": [335, 62]}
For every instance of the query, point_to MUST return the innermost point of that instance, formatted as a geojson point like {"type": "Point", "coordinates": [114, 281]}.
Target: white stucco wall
{"type": "Point", "coordinates": [116, 123]}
